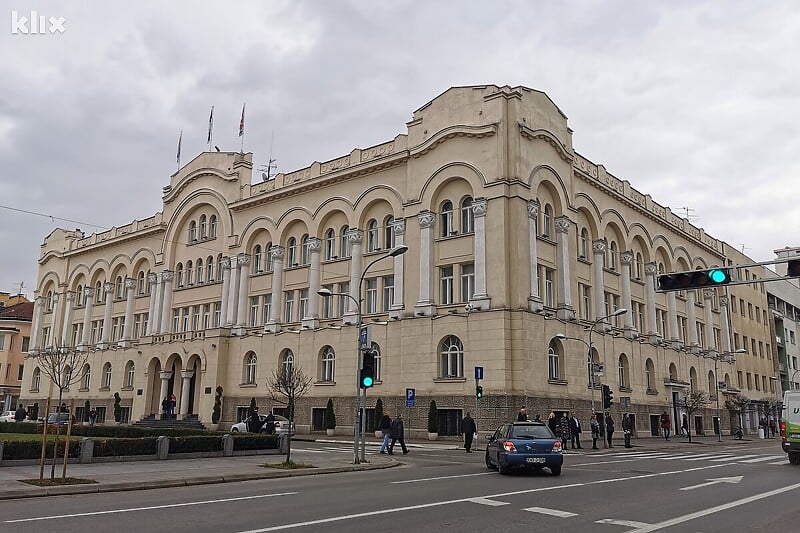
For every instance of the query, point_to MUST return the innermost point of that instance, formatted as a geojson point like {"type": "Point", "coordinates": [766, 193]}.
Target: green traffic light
{"type": "Point", "coordinates": [717, 276]}
{"type": "Point", "coordinates": [367, 381]}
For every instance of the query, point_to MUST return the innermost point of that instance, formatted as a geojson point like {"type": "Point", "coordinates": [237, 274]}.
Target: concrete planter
{"type": "Point", "coordinates": [433, 436]}
{"type": "Point", "coordinates": [331, 432]}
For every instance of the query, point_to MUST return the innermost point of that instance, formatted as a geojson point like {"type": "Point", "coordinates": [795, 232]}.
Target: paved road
{"type": "Point", "coordinates": [731, 487]}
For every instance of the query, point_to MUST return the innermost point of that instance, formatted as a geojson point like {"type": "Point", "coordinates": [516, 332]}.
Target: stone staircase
{"type": "Point", "coordinates": [150, 421]}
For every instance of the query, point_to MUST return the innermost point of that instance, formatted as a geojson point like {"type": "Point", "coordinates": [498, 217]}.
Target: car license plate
{"type": "Point", "coordinates": [535, 459]}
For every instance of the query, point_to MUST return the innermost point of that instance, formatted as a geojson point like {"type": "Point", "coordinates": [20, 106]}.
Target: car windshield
{"type": "Point", "coordinates": [531, 432]}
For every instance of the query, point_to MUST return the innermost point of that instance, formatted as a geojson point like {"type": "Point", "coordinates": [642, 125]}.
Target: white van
{"type": "Point", "coordinates": [790, 426]}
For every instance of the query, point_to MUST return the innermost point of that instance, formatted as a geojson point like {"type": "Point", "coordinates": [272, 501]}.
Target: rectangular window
{"type": "Point", "coordinates": [467, 282]}
{"type": "Point", "coordinates": [176, 320]}
{"type": "Point", "coordinates": [137, 325]}
{"type": "Point", "coordinates": [304, 303]}
{"type": "Point", "coordinates": [739, 378]}
{"type": "Point", "coordinates": [749, 381]}
{"type": "Point", "coordinates": [267, 307]}
{"type": "Point", "coordinates": [195, 318]}
{"type": "Point", "coordinates": [327, 303]}
{"type": "Point", "coordinates": [97, 329]}
{"type": "Point", "coordinates": [701, 335]}
{"type": "Point", "coordinates": [206, 316]}
{"type": "Point", "coordinates": [19, 372]}
{"type": "Point", "coordinates": [585, 301]}
{"type": "Point", "coordinates": [217, 314]}
{"type": "Point", "coordinates": [254, 304]}
{"type": "Point", "coordinates": [77, 330]}
{"type": "Point", "coordinates": [446, 285]}
{"type": "Point", "coordinates": [761, 349]}
{"type": "Point", "coordinates": [718, 338]}
{"type": "Point", "coordinates": [640, 314]}
{"type": "Point", "coordinates": [733, 304]}
{"type": "Point", "coordinates": [115, 329]}
{"type": "Point", "coordinates": [186, 313]}
{"type": "Point", "coordinates": [753, 351]}
{"type": "Point", "coordinates": [145, 319]}
{"type": "Point", "coordinates": [548, 279]}
{"type": "Point", "coordinates": [26, 342]}
{"type": "Point", "coordinates": [682, 320]}
{"type": "Point", "coordinates": [372, 296]}
{"type": "Point", "coordinates": [750, 311]}
{"type": "Point", "coordinates": [344, 288]}
{"type": "Point", "coordinates": [388, 292]}
{"type": "Point", "coordinates": [288, 310]}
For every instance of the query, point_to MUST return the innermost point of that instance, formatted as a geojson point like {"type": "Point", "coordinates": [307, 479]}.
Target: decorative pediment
{"type": "Point", "coordinates": [475, 132]}
{"type": "Point", "coordinates": [549, 138]}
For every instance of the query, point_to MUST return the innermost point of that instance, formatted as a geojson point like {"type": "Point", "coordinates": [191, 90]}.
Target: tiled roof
{"type": "Point", "coordinates": [21, 311]}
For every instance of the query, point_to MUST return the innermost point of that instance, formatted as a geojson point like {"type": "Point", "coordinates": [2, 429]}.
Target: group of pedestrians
{"type": "Point", "coordinates": [769, 427]}
{"type": "Point", "coordinates": [393, 431]}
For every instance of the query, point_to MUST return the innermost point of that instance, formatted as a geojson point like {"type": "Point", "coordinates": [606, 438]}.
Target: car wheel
{"type": "Point", "coordinates": [794, 458]}
{"type": "Point", "coordinates": [503, 469]}
{"type": "Point", "coordinates": [234, 430]}
{"type": "Point", "coordinates": [489, 464]}
{"type": "Point", "coordinates": [555, 470]}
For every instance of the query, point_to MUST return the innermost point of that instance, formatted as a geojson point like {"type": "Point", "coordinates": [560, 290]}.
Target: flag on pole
{"type": "Point", "coordinates": [180, 138]}
{"type": "Point", "coordinates": [210, 126]}
{"type": "Point", "coordinates": [241, 122]}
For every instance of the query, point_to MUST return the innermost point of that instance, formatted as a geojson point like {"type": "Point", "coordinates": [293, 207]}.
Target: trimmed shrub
{"type": "Point", "coordinates": [33, 449]}
{"type": "Point", "coordinates": [217, 411]}
{"type": "Point", "coordinates": [117, 408]}
{"type": "Point", "coordinates": [195, 444]}
{"type": "Point", "coordinates": [433, 418]}
{"type": "Point", "coordinates": [255, 442]}
{"type": "Point", "coordinates": [119, 447]}
{"type": "Point", "coordinates": [329, 422]}
{"type": "Point", "coordinates": [378, 415]}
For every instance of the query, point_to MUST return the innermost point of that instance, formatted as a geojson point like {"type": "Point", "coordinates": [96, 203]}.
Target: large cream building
{"type": "Point", "coordinates": [516, 245]}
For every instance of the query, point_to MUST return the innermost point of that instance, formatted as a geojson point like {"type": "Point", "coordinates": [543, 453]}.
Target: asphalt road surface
{"type": "Point", "coordinates": [740, 487]}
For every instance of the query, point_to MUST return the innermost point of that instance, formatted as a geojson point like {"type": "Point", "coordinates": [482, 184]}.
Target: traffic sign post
{"type": "Point", "coordinates": [411, 397]}
{"type": "Point", "coordinates": [478, 378]}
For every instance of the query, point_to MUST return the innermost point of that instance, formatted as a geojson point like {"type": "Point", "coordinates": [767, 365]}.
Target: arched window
{"type": "Point", "coordinates": [624, 374]}
{"type": "Point", "coordinates": [130, 374]}
{"type": "Point", "coordinates": [140, 283]}
{"type": "Point", "coordinates": [612, 251]}
{"type": "Point", "coordinates": [467, 216]}
{"type": "Point", "coordinates": [257, 258]}
{"type": "Point", "coordinates": [547, 221]}
{"type": "Point", "coordinates": [36, 379]}
{"type": "Point", "coordinates": [345, 244]}
{"type": "Point", "coordinates": [98, 293]}
{"type": "Point", "coordinates": [451, 357]}
{"type": "Point", "coordinates": [48, 305]}
{"type": "Point", "coordinates": [212, 227]}
{"type": "Point", "coordinates": [673, 372]}
{"type": "Point", "coordinates": [650, 375]}
{"type": "Point", "coordinates": [192, 231]}
{"type": "Point", "coordinates": [388, 232]}
{"type": "Point", "coordinates": [119, 288]}
{"type": "Point", "coordinates": [250, 363]}
{"type": "Point", "coordinates": [210, 268]}
{"type": "Point", "coordinates": [203, 233]}
{"type": "Point", "coordinates": [291, 252]}
{"type": "Point", "coordinates": [372, 236]}
{"type": "Point", "coordinates": [79, 297]}
{"type": "Point", "coordinates": [270, 258]}
{"type": "Point", "coordinates": [107, 376]}
{"type": "Point", "coordinates": [199, 269]}
{"type": "Point", "coordinates": [583, 244]}
{"type": "Point", "coordinates": [692, 380]}
{"type": "Point", "coordinates": [287, 362]}
{"type": "Point", "coordinates": [639, 265]}
{"type": "Point", "coordinates": [86, 377]}
{"type": "Point", "coordinates": [378, 361]}
{"type": "Point", "coordinates": [304, 252]}
{"type": "Point", "coordinates": [330, 244]}
{"type": "Point", "coordinates": [179, 275]}
{"type": "Point", "coordinates": [328, 367]}
{"type": "Point", "coordinates": [189, 273]}
{"type": "Point", "coordinates": [446, 219]}
{"type": "Point", "coordinates": [712, 384]}
{"type": "Point", "coordinates": [553, 362]}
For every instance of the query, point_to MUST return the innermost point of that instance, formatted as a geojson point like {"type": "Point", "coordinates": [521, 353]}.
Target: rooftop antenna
{"type": "Point", "coordinates": [688, 213]}
{"type": "Point", "coordinates": [745, 248]}
{"type": "Point", "coordinates": [21, 286]}
{"type": "Point", "coordinates": [266, 170]}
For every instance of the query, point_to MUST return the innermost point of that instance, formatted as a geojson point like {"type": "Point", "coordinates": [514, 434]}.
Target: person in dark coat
{"type": "Point", "coordinates": [552, 423]}
{"type": "Point", "coordinates": [522, 416]}
{"type": "Point", "coordinates": [269, 424]}
{"type": "Point", "coordinates": [468, 428]}
{"type": "Point", "coordinates": [563, 430]}
{"type": "Point", "coordinates": [609, 429]}
{"type": "Point", "coordinates": [575, 432]}
{"type": "Point", "coordinates": [595, 427]}
{"type": "Point", "coordinates": [20, 414]}
{"type": "Point", "coordinates": [398, 434]}
{"type": "Point", "coordinates": [627, 429]}
{"type": "Point", "coordinates": [385, 425]}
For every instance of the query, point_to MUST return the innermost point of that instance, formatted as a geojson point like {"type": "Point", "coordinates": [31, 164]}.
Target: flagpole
{"type": "Point", "coordinates": [210, 128]}
{"type": "Point", "coordinates": [241, 129]}
{"type": "Point", "coordinates": [180, 138]}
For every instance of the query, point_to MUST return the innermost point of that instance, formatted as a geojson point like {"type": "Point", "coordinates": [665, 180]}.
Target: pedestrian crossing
{"type": "Point", "coordinates": [712, 457]}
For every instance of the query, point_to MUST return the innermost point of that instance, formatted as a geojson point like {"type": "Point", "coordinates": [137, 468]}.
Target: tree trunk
{"type": "Point", "coordinates": [58, 434]}
{"type": "Point", "coordinates": [44, 442]}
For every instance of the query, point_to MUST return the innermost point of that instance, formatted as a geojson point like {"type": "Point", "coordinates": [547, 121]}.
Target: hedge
{"type": "Point", "coordinates": [255, 442]}
{"type": "Point", "coordinates": [120, 447]}
{"type": "Point", "coordinates": [103, 431]}
{"type": "Point", "coordinates": [195, 444]}
{"type": "Point", "coordinates": [28, 449]}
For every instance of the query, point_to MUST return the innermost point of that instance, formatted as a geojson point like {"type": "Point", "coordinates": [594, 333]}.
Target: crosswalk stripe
{"type": "Point", "coordinates": [487, 501]}
{"type": "Point", "coordinates": [761, 459]}
{"type": "Point", "coordinates": [689, 456]}
{"type": "Point", "coordinates": [779, 462]}
{"type": "Point", "coordinates": [708, 458]}
{"type": "Point", "coordinates": [723, 459]}
{"type": "Point", "coordinates": [551, 512]}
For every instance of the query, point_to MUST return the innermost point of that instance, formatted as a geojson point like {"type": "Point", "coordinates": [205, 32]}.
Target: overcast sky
{"type": "Point", "coordinates": [695, 103]}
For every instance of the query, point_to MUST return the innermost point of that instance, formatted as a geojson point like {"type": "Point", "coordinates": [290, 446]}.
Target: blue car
{"type": "Point", "coordinates": [524, 445]}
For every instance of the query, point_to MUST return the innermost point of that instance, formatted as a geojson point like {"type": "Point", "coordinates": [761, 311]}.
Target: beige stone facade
{"type": "Point", "coordinates": [513, 238]}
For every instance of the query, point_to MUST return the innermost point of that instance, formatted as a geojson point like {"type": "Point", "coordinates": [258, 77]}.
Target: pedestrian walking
{"type": "Point", "coordinates": [563, 430]}
{"type": "Point", "coordinates": [685, 426]}
{"type": "Point", "coordinates": [575, 432]}
{"type": "Point", "coordinates": [385, 425]}
{"type": "Point", "coordinates": [772, 427]}
{"type": "Point", "coordinates": [269, 423]}
{"type": "Point", "coordinates": [609, 429]}
{"type": "Point", "coordinates": [92, 416]}
{"type": "Point", "coordinates": [20, 414]}
{"type": "Point", "coordinates": [165, 407]}
{"type": "Point", "coordinates": [627, 429]}
{"type": "Point", "coordinates": [468, 428]}
{"type": "Point", "coordinates": [594, 425]}
{"type": "Point", "coordinates": [398, 434]}
{"type": "Point", "coordinates": [552, 423]}
{"type": "Point", "coordinates": [666, 425]}
{"type": "Point", "coordinates": [522, 416]}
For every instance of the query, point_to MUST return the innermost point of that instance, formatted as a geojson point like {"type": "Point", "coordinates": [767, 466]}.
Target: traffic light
{"type": "Point", "coordinates": [479, 391]}
{"type": "Point", "coordinates": [366, 376]}
{"type": "Point", "coordinates": [696, 279]}
{"type": "Point", "coordinates": [608, 397]}
{"type": "Point", "coordinates": [793, 268]}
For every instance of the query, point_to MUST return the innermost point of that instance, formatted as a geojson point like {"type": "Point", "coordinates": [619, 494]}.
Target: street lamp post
{"type": "Point", "coordinates": [358, 429]}
{"type": "Point", "coordinates": [717, 358]}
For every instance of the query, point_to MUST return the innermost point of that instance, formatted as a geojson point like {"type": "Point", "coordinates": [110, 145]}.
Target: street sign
{"type": "Point", "coordinates": [478, 373]}
{"type": "Point", "coordinates": [363, 338]}
{"type": "Point", "coordinates": [411, 396]}
{"type": "Point", "coordinates": [599, 369]}
{"type": "Point", "coordinates": [721, 385]}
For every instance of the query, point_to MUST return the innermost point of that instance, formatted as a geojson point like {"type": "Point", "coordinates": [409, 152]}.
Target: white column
{"type": "Point", "coordinates": [152, 279]}
{"type": "Point", "coordinates": [244, 287]}
{"type": "Point", "coordinates": [650, 270]}
{"type": "Point", "coordinates": [312, 319]}
{"type": "Point", "coordinates": [723, 318]}
{"type": "Point", "coordinates": [130, 291]}
{"type": "Point", "coordinates": [534, 299]}
{"type": "Point", "coordinates": [51, 336]}
{"type": "Point", "coordinates": [276, 253]}
{"type": "Point", "coordinates": [565, 309]}
{"type": "Point", "coordinates": [396, 310]}
{"type": "Point", "coordinates": [158, 295]}
{"type": "Point", "coordinates": [672, 311]}
{"type": "Point", "coordinates": [480, 300]}
{"type": "Point", "coordinates": [65, 340]}
{"type": "Point", "coordinates": [36, 326]}
{"type": "Point", "coordinates": [598, 252]}
{"type": "Point", "coordinates": [88, 298]}
{"type": "Point", "coordinates": [691, 316]}
{"type": "Point", "coordinates": [225, 267]}
{"type": "Point", "coordinates": [233, 293]}
{"type": "Point", "coordinates": [424, 306]}
{"type": "Point", "coordinates": [708, 295]}
{"type": "Point", "coordinates": [626, 258]}
{"type": "Point", "coordinates": [186, 376]}
{"type": "Point", "coordinates": [165, 377]}
{"type": "Point", "coordinates": [355, 237]}
{"type": "Point", "coordinates": [166, 306]}
{"type": "Point", "coordinates": [108, 288]}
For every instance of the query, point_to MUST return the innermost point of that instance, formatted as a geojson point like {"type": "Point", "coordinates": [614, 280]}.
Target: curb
{"type": "Point", "coordinates": [38, 492]}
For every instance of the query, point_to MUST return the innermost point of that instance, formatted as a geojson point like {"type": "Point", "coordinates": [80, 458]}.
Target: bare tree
{"type": "Point", "coordinates": [693, 402]}
{"type": "Point", "coordinates": [738, 403]}
{"type": "Point", "coordinates": [59, 364]}
{"type": "Point", "coordinates": [286, 385]}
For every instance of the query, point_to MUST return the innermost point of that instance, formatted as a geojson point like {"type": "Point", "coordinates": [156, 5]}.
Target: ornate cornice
{"type": "Point", "coordinates": [474, 132]}
{"type": "Point", "coordinates": [549, 138]}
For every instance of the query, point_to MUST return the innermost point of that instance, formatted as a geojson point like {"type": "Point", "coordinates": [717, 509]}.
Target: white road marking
{"type": "Point", "coordinates": [708, 457]}
{"type": "Point", "coordinates": [779, 462]}
{"type": "Point", "coordinates": [762, 459]}
{"type": "Point", "coordinates": [551, 512]}
{"type": "Point", "coordinates": [689, 456]}
{"type": "Point", "coordinates": [438, 478]}
{"type": "Point", "coordinates": [625, 523]}
{"type": "Point", "coordinates": [607, 462]}
{"type": "Point", "coordinates": [711, 510]}
{"type": "Point", "coordinates": [133, 509]}
{"type": "Point", "coordinates": [487, 501]}
{"type": "Point", "coordinates": [738, 458]}
{"type": "Point", "coordinates": [716, 481]}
